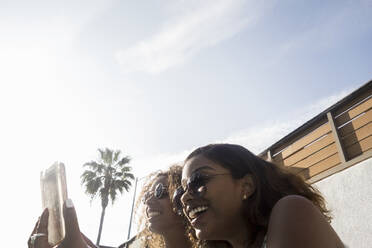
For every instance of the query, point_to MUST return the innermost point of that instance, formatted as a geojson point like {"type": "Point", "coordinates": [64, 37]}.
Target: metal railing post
{"type": "Point", "coordinates": [131, 213]}
{"type": "Point", "coordinates": [336, 137]}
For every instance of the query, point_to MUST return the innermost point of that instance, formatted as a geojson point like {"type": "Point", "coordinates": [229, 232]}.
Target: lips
{"type": "Point", "coordinates": [196, 211]}
{"type": "Point", "coordinates": [197, 216]}
{"type": "Point", "coordinates": [152, 213]}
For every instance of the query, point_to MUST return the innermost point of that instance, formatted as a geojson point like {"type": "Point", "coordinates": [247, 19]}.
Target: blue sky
{"type": "Point", "coordinates": [157, 79]}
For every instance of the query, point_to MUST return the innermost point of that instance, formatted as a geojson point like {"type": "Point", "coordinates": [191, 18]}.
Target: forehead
{"type": "Point", "coordinates": [159, 179]}
{"type": "Point", "coordinates": [201, 163]}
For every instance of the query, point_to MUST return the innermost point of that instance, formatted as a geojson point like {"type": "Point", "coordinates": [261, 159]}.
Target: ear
{"type": "Point", "coordinates": [248, 186]}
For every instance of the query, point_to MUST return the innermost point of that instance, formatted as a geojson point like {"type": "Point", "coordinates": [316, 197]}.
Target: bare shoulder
{"type": "Point", "coordinates": [295, 205]}
{"type": "Point", "coordinates": [297, 222]}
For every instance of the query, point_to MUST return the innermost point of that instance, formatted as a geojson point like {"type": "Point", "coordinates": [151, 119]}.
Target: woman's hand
{"type": "Point", "coordinates": [40, 228]}
{"type": "Point", "coordinates": [73, 237]}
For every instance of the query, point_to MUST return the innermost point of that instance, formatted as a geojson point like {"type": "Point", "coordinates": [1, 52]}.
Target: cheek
{"type": "Point", "coordinates": [169, 214]}
{"type": "Point", "coordinates": [227, 203]}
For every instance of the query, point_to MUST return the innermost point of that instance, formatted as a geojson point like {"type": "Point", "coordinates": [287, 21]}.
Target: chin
{"type": "Point", "coordinates": [202, 234]}
{"type": "Point", "coordinates": [156, 229]}
{"type": "Point", "coordinates": [153, 228]}
{"type": "Point", "coordinates": [206, 234]}
{"type": "Point", "coordinates": [198, 234]}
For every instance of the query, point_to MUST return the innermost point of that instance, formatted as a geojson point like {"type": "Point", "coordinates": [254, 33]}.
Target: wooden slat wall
{"type": "Point", "coordinates": [317, 149]}
{"type": "Point", "coordinates": [301, 143]}
{"type": "Point", "coordinates": [309, 152]}
{"type": "Point", "coordinates": [321, 166]}
{"type": "Point", "coordinates": [354, 112]}
{"type": "Point", "coordinates": [356, 128]}
{"type": "Point", "coordinates": [356, 124]}
{"type": "Point", "coordinates": [363, 95]}
{"type": "Point", "coordinates": [358, 135]}
{"type": "Point", "coordinates": [298, 143]}
{"type": "Point", "coordinates": [359, 148]}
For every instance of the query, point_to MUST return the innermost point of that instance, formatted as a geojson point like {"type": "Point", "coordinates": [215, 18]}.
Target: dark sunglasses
{"type": "Point", "coordinates": [196, 186]}
{"type": "Point", "coordinates": [159, 193]}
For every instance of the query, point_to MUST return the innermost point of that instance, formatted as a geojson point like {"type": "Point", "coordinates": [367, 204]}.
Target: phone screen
{"type": "Point", "coordinates": [53, 194]}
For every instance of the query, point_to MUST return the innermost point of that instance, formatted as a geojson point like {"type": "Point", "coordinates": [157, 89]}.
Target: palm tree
{"type": "Point", "coordinates": [105, 178]}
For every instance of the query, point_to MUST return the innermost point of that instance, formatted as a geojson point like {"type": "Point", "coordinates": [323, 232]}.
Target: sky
{"type": "Point", "coordinates": [156, 79]}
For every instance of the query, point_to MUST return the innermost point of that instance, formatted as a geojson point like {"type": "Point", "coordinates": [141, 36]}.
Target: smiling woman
{"type": "Point", "coordinates": [163, 226]}
{"type": "Point", "coordinates": [230, 194]}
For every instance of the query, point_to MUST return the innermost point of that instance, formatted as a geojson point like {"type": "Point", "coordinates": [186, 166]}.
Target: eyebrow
{"type": "Point", "coordinates": [205, 167]}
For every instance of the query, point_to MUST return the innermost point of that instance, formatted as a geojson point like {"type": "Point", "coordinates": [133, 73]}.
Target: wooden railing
{"type": "Point", "coordinates": [337, 138]}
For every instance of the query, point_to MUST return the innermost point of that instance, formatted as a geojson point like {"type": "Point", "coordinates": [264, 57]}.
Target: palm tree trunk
{"type": "Point", "coordinates": [100, 225]}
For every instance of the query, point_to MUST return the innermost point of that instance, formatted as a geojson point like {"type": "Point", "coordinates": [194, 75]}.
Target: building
{"type": "Point", "coordinates": [333, 152]}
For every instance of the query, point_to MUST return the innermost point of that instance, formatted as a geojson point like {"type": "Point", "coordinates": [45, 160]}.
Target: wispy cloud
{"type": "Point", "coordinates": [201, 24]}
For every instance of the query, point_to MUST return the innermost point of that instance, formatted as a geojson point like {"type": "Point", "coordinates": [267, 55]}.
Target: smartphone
{"type": "Point", "coordinates": [53, 195]}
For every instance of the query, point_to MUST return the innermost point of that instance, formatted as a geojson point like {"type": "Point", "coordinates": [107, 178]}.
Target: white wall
{"type": "Point", "coordinates": [349, 196]}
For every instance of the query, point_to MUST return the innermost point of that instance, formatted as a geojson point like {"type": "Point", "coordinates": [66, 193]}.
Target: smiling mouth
{"type": "Point", "coordinates": [197, 211]}
{"type": "Point", "coordinates": [151, 214]}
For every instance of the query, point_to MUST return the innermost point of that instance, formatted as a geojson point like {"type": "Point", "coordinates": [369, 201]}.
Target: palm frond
{"type": "Point", "coordinates": [118, 174]}
{"type": "Point", "coordinates": [123, 184]}
{"type": "Point", "coordinates": [87, 176]}
{"type": "Point", "coordinates": [92, 187]}
{"type": "Point", "coordinates": [128, 175]}
{"type": "Point", "coordinates": [127, 183]}
{"type": "Point", "coordinates": [95, 166]}
{"type": "Point", "coordinates": [101, 154]}
{"type": "Point", "coordinates": [125, 169]}
{"type": "Point", "coordinates": [122, 162]}
{"type": "Point", "coordinates": [107, 158]}
{"type": "Point", "coordinates": [116, 156]}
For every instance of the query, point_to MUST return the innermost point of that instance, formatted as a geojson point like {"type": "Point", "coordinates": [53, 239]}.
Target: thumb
{"type": "Point", "coordinates": [71, 222]}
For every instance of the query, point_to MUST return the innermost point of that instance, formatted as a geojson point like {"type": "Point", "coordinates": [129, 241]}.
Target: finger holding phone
{"type": "Point", "coordinates": [73, 237]}
{"type": "Point", "coordinates": [58, 225]}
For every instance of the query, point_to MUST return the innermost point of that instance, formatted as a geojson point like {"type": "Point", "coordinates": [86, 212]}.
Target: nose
{"type": "Point", "coordinates": [186, 196]}
{"type": "Point", "coordinates": [149, 198]}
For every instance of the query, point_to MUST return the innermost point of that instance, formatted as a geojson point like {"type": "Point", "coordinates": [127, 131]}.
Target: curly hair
{"type": "Point", "coordinates": [151, 239]}
{"type": "Point", "coordinates": [272, 183]}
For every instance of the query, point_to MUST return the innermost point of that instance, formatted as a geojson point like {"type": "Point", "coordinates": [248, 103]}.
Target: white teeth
{"type": "Point", "coordinates": [195, 211]}
{"type": "Point", "coordinates": [153, 214]}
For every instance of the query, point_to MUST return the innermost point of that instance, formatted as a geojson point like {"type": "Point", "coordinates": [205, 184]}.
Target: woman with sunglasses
{"type": "Point", "coordinates": [230, 194]}
{"type": "Point", "coordinates": [163, 226]}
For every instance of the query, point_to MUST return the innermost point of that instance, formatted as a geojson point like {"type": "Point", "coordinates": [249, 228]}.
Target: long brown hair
{"type": "Point", "coordinates": [272, 183]}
